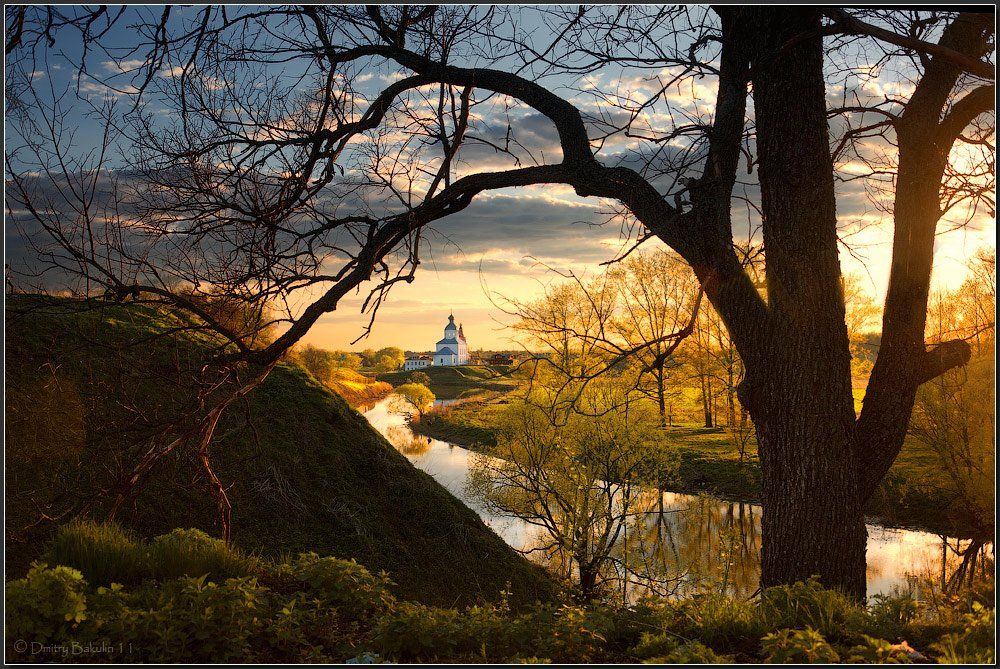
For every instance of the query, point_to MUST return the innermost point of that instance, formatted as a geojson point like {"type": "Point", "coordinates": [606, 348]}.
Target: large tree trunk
{"type": "Point", "coordinates": [813, 522]}
{"type": "Point", "coordinates": [799, 393]}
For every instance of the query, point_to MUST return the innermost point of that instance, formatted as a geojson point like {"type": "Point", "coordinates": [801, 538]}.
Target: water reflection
{"type": "Point", "coordinates": [678, 543]}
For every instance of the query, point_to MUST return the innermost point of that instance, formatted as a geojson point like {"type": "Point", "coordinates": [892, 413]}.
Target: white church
{"type": "Point", "coordinates": [450, 351]}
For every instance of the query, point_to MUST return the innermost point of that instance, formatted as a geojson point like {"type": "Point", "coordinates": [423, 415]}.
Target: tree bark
{"type": "Point", "coordinates": [799, 394]}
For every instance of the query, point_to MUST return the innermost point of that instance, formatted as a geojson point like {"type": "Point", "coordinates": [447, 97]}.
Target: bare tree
{"type": "Point", "coordinates": [247, 172]}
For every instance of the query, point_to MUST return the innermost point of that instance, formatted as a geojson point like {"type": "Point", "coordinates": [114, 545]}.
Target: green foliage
{"type": "Point", "coordinates": [103, 552]}
{"type": "Point", "coordinates": [807, 604]}
{"type": "Point", "coordinates": [974, 644]}
{"type": "Point", "coordinates": [316, 609]}
{"type": "Point", "coordinates": [798, 647]}
{"type": "Point", "coordinates": [720, 622]}
{"type": "Point", "coordinates": [46, 605]}
{"type": "Point", "coordinates": [385, 360]}
{"type": "Point", "coordinates": [344, 584]}
{"type": "Point", "coordinates": [185, 619]}
{"type": "Point", "coordinates": [879, 651]}
{"type": "Point", "coordinates": [891, 614]}
{"type": "Point", "coordinates": [191, 552]}
{"type": "Point", "coordinates": [417, 396]}
{"type": "Point", "coordinates": [690, 652]}
{"type": "Point", "coordinates": [486, 633]}
{"type": "Point", "coordinates": [106, 554]}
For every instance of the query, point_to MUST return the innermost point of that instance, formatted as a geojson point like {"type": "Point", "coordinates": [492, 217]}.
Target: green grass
{"type": "Point", "coordinates": [106, 553]}
{"type": "Point", "coordinates": [304, 471]}
{"type": "Point", "coordinates": [456, 382]}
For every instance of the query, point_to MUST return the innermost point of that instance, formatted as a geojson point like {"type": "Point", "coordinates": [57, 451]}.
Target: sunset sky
{"type": "Point", "coordinates": [502, 244]}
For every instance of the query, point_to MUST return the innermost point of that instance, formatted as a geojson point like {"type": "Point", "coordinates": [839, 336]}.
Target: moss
{"type": "Point", "coordinates": [306, 472]}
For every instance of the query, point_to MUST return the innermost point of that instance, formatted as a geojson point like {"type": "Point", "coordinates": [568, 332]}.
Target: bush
{"type": "Point", "coordinates": [879, 651]}
{"type": "Point", "coordinates": [47, 605]}
{"type": "Point", "coordinates": [574, 633]}
{"type": "Point", "coordinates": [103, 552]}
{"type": "Point", "coordinates": [807, 604]}
{"type": "Point", "coordinates": [690, 652]}
{"type": "Point", "coordinates": [892, 614]}
{"type": "Point", "coordinates": [798, 647]}
{"type": "Point", "coordinates": [193, 553]}
{"type": "Point", "coordinates": [718, 621]}
{"type": "Point", "coordinates": [187, 619]}
{"type": "Point", "coordinates": [344, 584]}
{"type": "Point", "coordinates": [974, 644]}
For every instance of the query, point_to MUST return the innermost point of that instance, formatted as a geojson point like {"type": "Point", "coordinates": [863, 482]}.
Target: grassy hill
{"type": "Point", "coordinates": [307, 472]}
{"type": "Point", "coordinates": [454, 382]}
{"type": "Point", "coordinates": [356, 388]}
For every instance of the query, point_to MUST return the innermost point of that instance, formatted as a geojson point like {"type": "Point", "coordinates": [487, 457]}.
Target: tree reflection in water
{"type": "Point", "coordinates": [679, 545]}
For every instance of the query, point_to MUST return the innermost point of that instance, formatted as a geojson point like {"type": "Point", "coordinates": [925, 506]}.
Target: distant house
{"type": "Point", "coordinates": [453, 349]}
{"type": "Point", "coordinates": [417, 362]}
{"type": "Point", "coordinates": [499, 359]}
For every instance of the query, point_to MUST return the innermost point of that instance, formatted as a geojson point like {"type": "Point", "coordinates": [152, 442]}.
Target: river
{"type": "Point", "coordinates": [689, 542]}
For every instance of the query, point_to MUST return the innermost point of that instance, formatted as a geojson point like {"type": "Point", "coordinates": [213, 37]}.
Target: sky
{"type": "Point", "coordinates": [506, 243]}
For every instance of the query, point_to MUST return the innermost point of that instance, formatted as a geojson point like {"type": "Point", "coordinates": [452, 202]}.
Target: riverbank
{"type": "Point", "coordinates": [912, 496]}
{"type": "Point", "coordinates": [449, 383]}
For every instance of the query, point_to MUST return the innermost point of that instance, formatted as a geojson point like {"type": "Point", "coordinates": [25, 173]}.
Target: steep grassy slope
{"type": "Point", "coordinates": [306, 471]}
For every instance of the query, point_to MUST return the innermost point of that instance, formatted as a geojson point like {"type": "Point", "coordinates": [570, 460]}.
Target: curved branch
{"type": "Point", "coordinates": [850, 25]}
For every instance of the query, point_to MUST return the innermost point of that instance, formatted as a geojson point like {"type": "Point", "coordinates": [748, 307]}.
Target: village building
{"type": "Point", "coordinates": [452, 350]}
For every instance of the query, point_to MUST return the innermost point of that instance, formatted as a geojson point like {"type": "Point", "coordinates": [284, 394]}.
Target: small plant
{"type": "Point", "coordinates": [186, 619]}
{"type": "Point", "coordinates": [807, 604]}
{"type": "Point", "coordinates": [974, 644]}
{"type": "Point", "coordinates": [798, 647]}
{"type": "Point", "coordinates": [46, 605]}
{"type": "Point", "coordinates": [880, 651]}
{"type": "Point", "coordinates": [344, 584]}
{"type": "Point", "coordinates": [690, 652]}
{"type": "Point", "coordinates": [191, 552]}
{"type": "Point", "coordinates": [103, 552]}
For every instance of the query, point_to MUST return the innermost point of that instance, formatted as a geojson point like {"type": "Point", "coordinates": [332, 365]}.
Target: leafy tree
{"type": "Point", "coordinates": [417, 396]}
{"type": "Point", "coordinates": [659, 296]}
{"type": "Point", "coordinates": [318, 361]}
{"type": "Point", "coordinates": [573, 474]}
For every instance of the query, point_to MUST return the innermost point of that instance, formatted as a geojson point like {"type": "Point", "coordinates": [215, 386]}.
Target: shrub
{"type": "Point", "coordinates": [690, 652]}
{"type": "Point", "coordinates": [344, 584]}
{"type": "Point", "coordinates": [103, 552]}
{"type": "Point", "coordinates": [807, 604]}
{"type": "Point", "coordinates": [879, 651]}
{"type": "Point", "coordinates": [574, 633]}
{"type": "Point", "coordinates": [798, 647]}
{"type": "Point", "coordinates": [718, 621]}
{"type": "Point", "coordinates": [303, 627]}
{"type": "Point", "coordinates": [193, 553]}
{"type": "Point", "coordinates": [891, 614]}
{"type": "Point", "coordinates": [188, 619]}
{"type": "Point", "coordinates": [46, 605]}
{"type": "Point", "coordinates": [974, 644]}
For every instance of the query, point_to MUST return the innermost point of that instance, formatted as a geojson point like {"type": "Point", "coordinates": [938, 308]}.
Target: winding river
{"type": "Point", "coordinates": [687, 541]}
